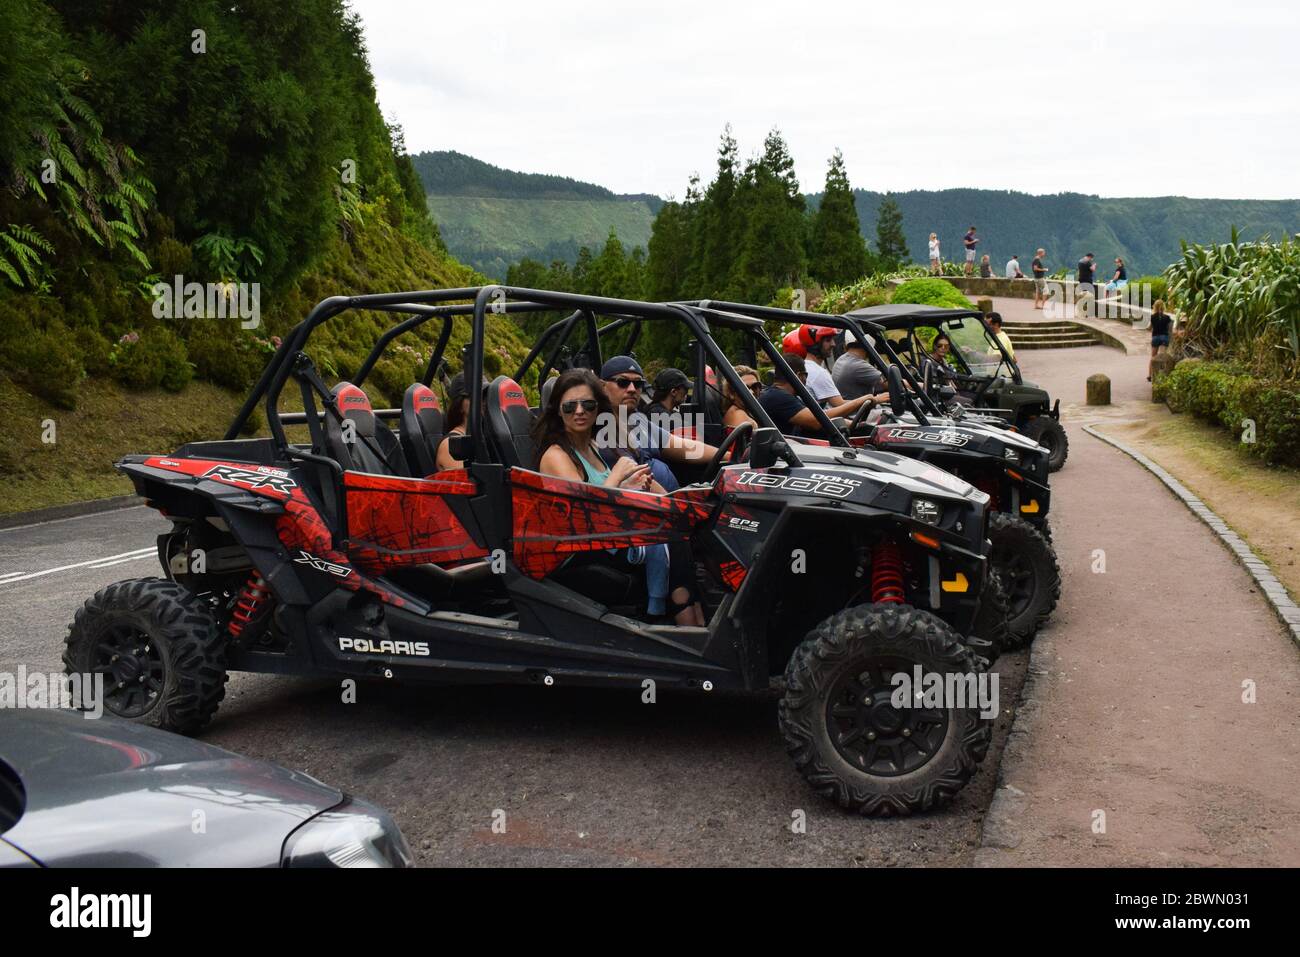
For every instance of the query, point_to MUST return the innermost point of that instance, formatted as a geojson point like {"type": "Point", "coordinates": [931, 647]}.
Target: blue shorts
{"type": "Point", "coordinates": [1159, 341]}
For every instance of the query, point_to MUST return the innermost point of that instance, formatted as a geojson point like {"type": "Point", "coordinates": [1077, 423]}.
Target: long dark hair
{"type": "Point", "coordinates": [549, 430]}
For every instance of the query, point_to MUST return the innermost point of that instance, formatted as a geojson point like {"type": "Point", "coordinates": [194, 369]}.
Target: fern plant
{"type": "Point", "coordinates": [229, 258]}
{"type": "Point", "coordinates": [20, 256]}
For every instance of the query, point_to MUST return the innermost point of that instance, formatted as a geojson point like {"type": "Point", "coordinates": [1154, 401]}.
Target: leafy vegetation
{"type": "Point", "coordinates": [1229, 396]}
{"type": "Point", "coordinates": [1241, 299]}
{"type": "Point", "coordinates": [218, 144]}
{"type": "Point", "coordinates": [931, 292]}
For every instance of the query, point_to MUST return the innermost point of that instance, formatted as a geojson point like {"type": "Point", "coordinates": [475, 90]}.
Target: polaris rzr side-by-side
{"type": "Point", "coordinates": [986, 374]}
{"type": "Point", "coordinates": [1011, 468]}
{"type": "Point", "coordinates": [839, 569]}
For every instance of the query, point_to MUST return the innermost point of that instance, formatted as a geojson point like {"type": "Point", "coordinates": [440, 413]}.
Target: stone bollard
{"type": "Point", "coordinates": [984, 304]}
{"type": "Point", "coordinates": [1098, 389]}
{"type": "Point", "coordinates": [1161, 366]}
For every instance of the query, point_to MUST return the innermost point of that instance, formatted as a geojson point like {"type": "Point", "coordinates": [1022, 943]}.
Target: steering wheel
{"type": "Point", "coordinates": [863, 409]}
{"type": "Point", "coordinates": [719, 457]}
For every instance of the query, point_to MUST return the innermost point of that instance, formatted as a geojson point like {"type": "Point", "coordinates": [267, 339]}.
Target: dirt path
{"type": "Point", "coordinates": [1136, 710]}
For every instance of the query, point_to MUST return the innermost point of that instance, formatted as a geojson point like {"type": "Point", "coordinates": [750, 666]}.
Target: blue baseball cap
{"type": "Point", "coordinates": [619, 365]}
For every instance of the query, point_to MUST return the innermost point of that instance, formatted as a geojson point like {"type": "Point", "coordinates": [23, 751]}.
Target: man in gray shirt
{"type": "Point", "coordinates": [854, 376]}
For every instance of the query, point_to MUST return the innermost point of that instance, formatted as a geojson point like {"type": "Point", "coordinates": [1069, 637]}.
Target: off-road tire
{"type": "Point", "coordinates": [1026, 562]}
{"type": "Point", "coordinates": [1050, 433]}
{"type": "Point", "coordinates": [179, 624]}
{"type": "Point", "coordinates": [993, 621]}
{"type": "Point", "coordinates": [850, 639]}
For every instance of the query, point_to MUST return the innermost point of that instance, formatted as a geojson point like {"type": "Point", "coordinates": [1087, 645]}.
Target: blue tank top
{"type": "Point", "coordinates": [594, 476]}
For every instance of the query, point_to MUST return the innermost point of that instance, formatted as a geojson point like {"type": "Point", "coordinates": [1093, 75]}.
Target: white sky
{"type": "Point", "coordinates": [1146, 98]}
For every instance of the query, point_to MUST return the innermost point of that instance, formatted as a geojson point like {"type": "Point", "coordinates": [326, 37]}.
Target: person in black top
{"type": "Point", "coordinates": [787, 411]}
{"type": "Point", "coordinates": [1039, 269]}
{"type": "Point", "coordinates": [970, 242]}
{"type": "Point", "coordinates": [671, 388]}
{"type": "Point", "coordinates": [1087, 268]}
{"type": "Point", "coordinates": [1120, 279]}
{"type": "Point", "coordinates": [1161, 323]}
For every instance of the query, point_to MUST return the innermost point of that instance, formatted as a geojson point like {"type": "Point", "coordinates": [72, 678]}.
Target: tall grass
{"type": "Point", "coordinates": [1242, 299]}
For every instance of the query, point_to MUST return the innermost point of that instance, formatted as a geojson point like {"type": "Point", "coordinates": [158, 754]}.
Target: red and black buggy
{"type": "Point", "coordinates": [349, 554]}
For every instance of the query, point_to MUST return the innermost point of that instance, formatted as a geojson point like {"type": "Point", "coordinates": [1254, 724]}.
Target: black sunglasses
{"type": "Point", "coordinates": [623, 382]}
{"type": "Point", "coordinates": [756, 388]}
{"type": "Point", "coordinates": [570, 407]}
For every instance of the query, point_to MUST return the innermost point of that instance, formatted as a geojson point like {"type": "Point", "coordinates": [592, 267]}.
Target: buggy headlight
{"type": "Point", "coordinates": [924, 510]}
{"type": "Point", "coordinates": [354, 834]}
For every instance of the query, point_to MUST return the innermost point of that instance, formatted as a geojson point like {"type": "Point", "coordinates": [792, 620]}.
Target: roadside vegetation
{"type": "Point", "coordinates": [1239, 342]}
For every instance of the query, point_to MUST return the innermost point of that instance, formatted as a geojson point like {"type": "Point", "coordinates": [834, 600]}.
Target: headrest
{"type": "Point", "coordinates": [354, 404]}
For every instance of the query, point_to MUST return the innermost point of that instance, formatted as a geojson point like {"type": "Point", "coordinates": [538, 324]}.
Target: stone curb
{"type": "Point", "coordinates": [1273, 590]}
{"type": "Point", "coordinates": [73, 510]}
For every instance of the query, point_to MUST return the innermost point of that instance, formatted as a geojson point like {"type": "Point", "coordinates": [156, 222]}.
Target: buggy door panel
{"type": "Point", "coordinates": [396, 521]}
{"type": "Point", "coordinates": [555, 517]}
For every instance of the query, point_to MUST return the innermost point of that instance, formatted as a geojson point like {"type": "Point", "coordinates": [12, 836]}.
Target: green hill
{"type": "Point", "coordinates": [1145, 231]}
{"type": "Point", "coordinates": [490, 217]}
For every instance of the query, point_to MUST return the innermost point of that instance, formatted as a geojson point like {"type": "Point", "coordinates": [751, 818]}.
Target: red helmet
{"type": "Point", "coordinates": [792, 342]}
{"type": "Point", "coordinates": [811, 335]}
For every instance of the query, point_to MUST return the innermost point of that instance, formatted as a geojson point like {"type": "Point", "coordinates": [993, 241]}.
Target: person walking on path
{"type": "Point", "coordinates": [934, 254]}
{"type": "Point", "coordinates": [1013, 268]}
{"type": "Point", "coordinates": [1039, 269]}
{"type": "Point", "coordinates": [970, 241]}
{"type": "Point", "coordinates": [1161, 323]}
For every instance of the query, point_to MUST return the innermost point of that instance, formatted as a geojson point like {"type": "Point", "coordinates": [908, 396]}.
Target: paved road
{"type": "Point", "coordinates": [1139, 705]}
{"type": "Point", "coordinates": [585, 777]}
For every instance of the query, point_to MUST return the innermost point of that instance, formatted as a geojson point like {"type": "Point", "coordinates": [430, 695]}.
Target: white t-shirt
{"type": "Point", "coordinates": [934, 249]}
{"type": "Point", "coordinates": [1013, 267]}
{"type": "Point", "coordinates": [820, 383]}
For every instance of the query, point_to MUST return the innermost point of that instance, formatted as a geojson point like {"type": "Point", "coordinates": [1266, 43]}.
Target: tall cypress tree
{"type": "Point", "coordinates": [891, 246]}
{"type": "Point", "coordinates": [772, 251]}
{"type": "Point", "coordinates": [837, 251]}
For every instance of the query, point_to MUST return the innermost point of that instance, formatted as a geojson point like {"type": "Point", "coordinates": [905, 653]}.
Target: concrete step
{"type": "Point", "coordinates": [1039, 337]}
{"type": "Point", "coordinates": [1055, 344]}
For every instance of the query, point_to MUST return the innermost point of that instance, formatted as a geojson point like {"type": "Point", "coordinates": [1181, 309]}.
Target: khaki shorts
{"type": "Point", "coordinates": [1040, 285]}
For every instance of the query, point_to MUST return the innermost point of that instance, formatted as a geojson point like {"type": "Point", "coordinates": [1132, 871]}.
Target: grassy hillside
{"type": "Point", "coordinates": [489, 233]}
{"type": "Point", "coordinates": [491, 217]}
{"type": "Point", "coordinates": [1145, 231]}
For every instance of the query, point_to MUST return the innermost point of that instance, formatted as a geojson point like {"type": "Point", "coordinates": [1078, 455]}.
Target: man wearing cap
{"type": "Point", "coordinates": [670, 391]}
{"type": "Point", "coordinates": [855, 376]}
{"type": "Point", "coordinates": [634, 434]}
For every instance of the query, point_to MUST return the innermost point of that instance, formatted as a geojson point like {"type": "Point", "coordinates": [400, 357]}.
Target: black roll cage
{"type": "Point", "coordinates": [931, 320]}
{"type": "Point", "coordinates": [420, 306]}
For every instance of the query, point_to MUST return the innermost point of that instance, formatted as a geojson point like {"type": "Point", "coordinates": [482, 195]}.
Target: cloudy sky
{"type": "Point", "coordinates": [1145, 98]}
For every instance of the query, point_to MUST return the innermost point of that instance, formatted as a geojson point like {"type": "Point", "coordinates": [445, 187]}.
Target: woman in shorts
{"type": "Point", "coordinates": [1161, 323]}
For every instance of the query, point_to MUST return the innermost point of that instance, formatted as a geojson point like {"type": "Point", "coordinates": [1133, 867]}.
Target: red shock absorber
{"type": "Point", "coordinates": [886, 573]}
{"type": "Point", "coordinates": [248, 606]}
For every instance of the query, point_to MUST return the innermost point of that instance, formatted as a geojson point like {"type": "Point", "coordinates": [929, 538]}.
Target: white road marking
{"type": "Point", "coordinates": [103, 562]}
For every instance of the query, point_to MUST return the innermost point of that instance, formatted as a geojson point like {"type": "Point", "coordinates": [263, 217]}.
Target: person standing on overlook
{"type": "Point", "coordinates": [1039, 269]}
{"type": "Point", "coordinates": [934, 254]}
{"type": "Point", "coordinates": [970, 241]}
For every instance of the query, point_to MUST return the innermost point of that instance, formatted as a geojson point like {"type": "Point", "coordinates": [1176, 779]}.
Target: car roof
{"type": "Point", "coordinates": [899, 315]}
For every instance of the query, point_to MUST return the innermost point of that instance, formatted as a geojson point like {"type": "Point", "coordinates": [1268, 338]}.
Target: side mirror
{"type": "Point", "coordinates": [769, 447]}
{"type": "Point", "coordinates": [895, 380]}
{"type": "Point", "coordinates": [461, 447]}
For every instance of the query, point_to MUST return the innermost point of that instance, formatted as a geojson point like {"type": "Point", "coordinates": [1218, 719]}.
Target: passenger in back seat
{"type": "Point", "coordinates": [457, 414]}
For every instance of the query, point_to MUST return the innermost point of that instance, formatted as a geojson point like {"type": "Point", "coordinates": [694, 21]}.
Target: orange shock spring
{"type": "Point", "coordinates": [249, 604]}
{"type": "Point", "coordinates": [886, 573]}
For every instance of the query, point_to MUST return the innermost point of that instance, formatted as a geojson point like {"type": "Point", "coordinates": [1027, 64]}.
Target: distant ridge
{"type": "Point", "coordinates": [448, 173]}
{"type": "Point", "coordinates": [491, 217]}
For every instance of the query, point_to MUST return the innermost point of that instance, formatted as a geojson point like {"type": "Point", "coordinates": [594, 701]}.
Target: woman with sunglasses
{"type": "Point", "coordinates": [733, 407]}
{"type": "Point", "coordinates": [563, 435]}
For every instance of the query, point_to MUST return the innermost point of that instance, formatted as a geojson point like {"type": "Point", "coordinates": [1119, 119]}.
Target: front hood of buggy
{"type": "Point", "coordinates": [871, 472]}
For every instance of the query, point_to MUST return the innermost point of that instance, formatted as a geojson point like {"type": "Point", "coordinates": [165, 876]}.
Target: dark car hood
{"type": "Point", "coordinates": [105, 792]}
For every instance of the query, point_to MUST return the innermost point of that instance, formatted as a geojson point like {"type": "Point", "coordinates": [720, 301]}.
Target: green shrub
{"type": "Point", "coordinates": [49, 364]}
{"type": "Point", "coordinates": [156, 357]}
{"type": "Point", "coordinates": [871, 291]}
{"type": "Point", "coordinates": [230, 358]}
{"type": "Point", "coordinates": [932, 292]}
{"type": "Point", "coordinates": [1159, 287]}
{"type": "Point", "coordinates": [1227, 396]}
